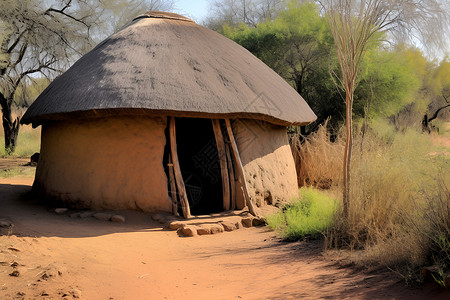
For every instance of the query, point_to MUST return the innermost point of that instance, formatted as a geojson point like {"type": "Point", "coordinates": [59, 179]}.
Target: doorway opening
{"type": "Point", "coordinates": [199, 164]}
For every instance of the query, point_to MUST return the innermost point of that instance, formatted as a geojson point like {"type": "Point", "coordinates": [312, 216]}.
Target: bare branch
{"type": "Point", "coordinates": [11, 48]}
{"type": "Point", "coordinates": [61, 11]}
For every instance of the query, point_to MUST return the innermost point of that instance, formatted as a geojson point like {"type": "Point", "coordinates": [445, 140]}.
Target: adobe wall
{"type": "Point", "coordinates": [267, 159]}
{"type": "Point", "coordinates": [113, 163]}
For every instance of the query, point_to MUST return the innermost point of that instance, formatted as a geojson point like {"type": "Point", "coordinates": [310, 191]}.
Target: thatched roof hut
{"type": "Point", "coordinates": [108, 136]}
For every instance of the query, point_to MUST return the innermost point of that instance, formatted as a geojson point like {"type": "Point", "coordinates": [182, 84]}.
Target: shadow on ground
{"type": "Point", "coordinates": [30, 217]}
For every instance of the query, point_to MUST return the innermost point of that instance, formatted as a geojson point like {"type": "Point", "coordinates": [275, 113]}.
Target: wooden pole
{"type": "Point", "coordinates": [240, 169]}
{"type": "Point", "coordinates": [223, 163]}
{"type": "Point", "coordinates": [232, 179]}
{"type": "Point", "coordinates": [176, 166]}
{"type": "Point", "coordinates": [173, 188]}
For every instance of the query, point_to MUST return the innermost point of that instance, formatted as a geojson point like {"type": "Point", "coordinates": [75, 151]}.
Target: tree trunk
{"type": "Point", "coordinates": [426, 121]}
{"type": "Point", "coordinates": [10, 127]}
{"type": "Point", "coordinates": [347, 154]}
{"type": "Point", "coordinates": [425, 124]}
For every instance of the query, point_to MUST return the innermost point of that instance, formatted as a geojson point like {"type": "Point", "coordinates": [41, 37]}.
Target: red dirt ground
{"type": "Point", "coordinates": [59, 257]}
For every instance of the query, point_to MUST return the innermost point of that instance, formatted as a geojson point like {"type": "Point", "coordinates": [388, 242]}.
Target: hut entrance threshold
{"type": "Point", "coordinates": [201, 167]}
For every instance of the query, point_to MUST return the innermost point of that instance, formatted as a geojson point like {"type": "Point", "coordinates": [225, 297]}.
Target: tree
{"type": "Point", "coordinates": [297, 45]}
{"type": "Point", "coordinates": [37, 40]}
{"type": "Point", "coordinates": [438, 85]}
{"type": "Point", "coordinates": [353, 25]}
{"type": "Point", "coordinates": [249, 12]}
{"type": "Point", "coordinates": [390, 80]}
{"type": "Point", "coordinates": [42, 38]}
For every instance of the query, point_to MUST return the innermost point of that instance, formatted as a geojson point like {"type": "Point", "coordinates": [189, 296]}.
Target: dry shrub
{"type": "Point", "coordinates": [318, 160]}
{"type": "Point", "coordinates": [400, 205]}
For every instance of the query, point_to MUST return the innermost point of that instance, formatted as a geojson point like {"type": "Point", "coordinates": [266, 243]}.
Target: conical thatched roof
{"type": "Point", "coordinates": [164, 63]}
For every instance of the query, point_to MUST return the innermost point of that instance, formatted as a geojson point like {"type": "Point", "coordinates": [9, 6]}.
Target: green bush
{"type": "Point", "coordinates": [306, 217]}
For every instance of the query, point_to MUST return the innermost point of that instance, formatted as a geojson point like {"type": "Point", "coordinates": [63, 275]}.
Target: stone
{"type": "Point", "coordinates": [14, 273]}
{"type": "Point", "coordinates": [75, 293]}
{"type": "Point", "coordinates": [215, 228]}
{"type": "Point", "coordinates": [86, 214]}
{"type": "Point", "coordinates": [175, 225]}
{"type": "Point", "coordinates": [203, 231]}
{"type": "Point", "coordinates": [229, 226]}
{"type": "Point", "coordinates": [189, 231]}
{"type": "Point", "coordinates": [102, 216]}
{"type": "Point", "coordinates": [247, 221]}
{"type": "Point", "coordinates": [118, 219]}
{"type": "Point", "coordinates": [52, 271]}
{"type": "Point", "coordinates": [258, 221]}
{"type": "Point", "coordinates": [60, 211]}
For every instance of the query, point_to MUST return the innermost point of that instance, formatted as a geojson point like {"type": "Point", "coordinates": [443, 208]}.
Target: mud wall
{"type": "Point", "coordinates": [112, 163]}
{"type": "Point", "coordinates": [268, 163]}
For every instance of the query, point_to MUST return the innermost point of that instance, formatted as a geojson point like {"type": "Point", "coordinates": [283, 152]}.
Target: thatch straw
{"type": "Point", "coordinates": [164, 64]}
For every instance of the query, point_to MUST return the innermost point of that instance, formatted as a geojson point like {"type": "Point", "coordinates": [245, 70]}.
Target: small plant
{"type": "Point", "coordinates": [306, 217]}
{"type": "Point", "coordinates": [440, 278]}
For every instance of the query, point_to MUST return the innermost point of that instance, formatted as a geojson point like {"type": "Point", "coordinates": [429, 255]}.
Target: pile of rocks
{"type": "Point", "coordinates": [209, 224]}
{"type": "Point", "coordinates": [197, 225]}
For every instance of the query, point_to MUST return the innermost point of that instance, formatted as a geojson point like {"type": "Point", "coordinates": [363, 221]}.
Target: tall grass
{"type": "Point", "coordinates": [28, 142]}
{"type": "Point", "coordinates": [308, 216]}
{"type": "Point", "coordinates": [400, 202]}
{"type": "Point", "coordinates": [318, 160]}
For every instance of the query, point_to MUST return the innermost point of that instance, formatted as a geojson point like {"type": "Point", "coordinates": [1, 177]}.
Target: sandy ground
{"type": "Point", "coordinates": [58, 257]}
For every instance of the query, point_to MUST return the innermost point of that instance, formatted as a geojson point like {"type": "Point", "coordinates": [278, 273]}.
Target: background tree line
{"type": "Point", "coordinates": [396, 81]}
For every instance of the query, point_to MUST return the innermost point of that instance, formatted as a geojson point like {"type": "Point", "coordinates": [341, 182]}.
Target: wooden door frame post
{"type": "Point", "coordinates": [240, 168]}
{"type": "Point", "coordinates": [221, 150]}
{"type": "Point", "coordinates": [177, 170]}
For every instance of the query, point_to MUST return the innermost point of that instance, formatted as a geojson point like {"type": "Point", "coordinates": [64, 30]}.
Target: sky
{"type": "Point", "coordinates": [194, 9]}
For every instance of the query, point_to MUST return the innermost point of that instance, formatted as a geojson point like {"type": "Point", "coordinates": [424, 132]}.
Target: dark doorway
{"type": "Point", "coordinates": [199, 163]}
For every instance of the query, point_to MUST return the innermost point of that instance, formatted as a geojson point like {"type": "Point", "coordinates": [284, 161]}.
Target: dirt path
{"type": "Point", "coordinates": [11, 163]}
{"type": "Point", "coordinates": [59, 257]}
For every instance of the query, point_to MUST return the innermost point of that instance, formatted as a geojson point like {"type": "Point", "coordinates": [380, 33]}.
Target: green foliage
{"type": "Point", "coordinates": [298, 46]}
{"type": "Point", "coordinates": [390, 81]}
{"type": "Point", "coordinates": [308, 216]}
{"type": "Point", "coordinates": [439, 82]}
